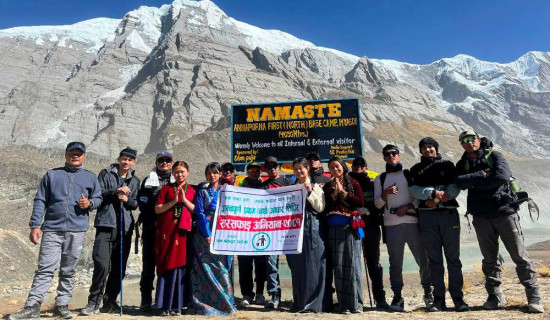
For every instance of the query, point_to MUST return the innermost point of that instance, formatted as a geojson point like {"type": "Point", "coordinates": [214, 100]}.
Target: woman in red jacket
{"type": "Point", "coordinates": [174, 207]}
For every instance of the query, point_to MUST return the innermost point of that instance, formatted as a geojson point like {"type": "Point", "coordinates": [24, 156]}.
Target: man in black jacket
{"type": "Point", "coordinates": [119, 188]}
{"type": "Point", "coordinates": [485, 173]}
{"type": "Point", "coordinates": [147, 198]}
{"type": "Point", "coordinates": [433, 184]}
{"type": "Point", "coordinates": [373, 234]}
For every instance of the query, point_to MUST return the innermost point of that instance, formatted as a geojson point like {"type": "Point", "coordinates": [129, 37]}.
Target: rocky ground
{"type": "Point", "coordinates": [12, 297]}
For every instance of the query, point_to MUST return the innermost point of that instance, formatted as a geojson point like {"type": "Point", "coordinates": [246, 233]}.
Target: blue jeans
{"type": "Point", "coordinates": [273, 275]}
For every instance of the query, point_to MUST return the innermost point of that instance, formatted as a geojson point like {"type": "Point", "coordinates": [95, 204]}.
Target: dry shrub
{"type": "Point", "coordinates": [543, 271]}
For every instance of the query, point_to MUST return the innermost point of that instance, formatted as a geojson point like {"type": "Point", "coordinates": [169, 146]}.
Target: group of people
{"type": "Point", "coordinates": [347, 214]}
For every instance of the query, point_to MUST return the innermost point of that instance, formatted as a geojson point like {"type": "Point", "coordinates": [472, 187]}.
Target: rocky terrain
{"type": "Point", "coordinates": [160, 76]}
{"type": "Point", "coordinates": [165, 78]}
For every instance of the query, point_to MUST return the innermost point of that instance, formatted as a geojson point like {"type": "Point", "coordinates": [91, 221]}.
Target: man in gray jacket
{"type": "Point", "coordinates": [62, 204]}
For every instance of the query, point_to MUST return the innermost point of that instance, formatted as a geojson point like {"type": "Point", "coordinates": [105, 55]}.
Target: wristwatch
{"type": "Point", "coordinates": [436, 200]}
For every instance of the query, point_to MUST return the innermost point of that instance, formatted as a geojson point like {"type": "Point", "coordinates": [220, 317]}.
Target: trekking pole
{"type": "Point", "coordinates": [367, 274]}
{"type": "Point", "coordinates": [121, 251]}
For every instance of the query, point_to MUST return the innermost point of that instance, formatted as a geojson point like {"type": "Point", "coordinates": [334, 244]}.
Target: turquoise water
{"type": "Point", "coordinates": [470, 257]}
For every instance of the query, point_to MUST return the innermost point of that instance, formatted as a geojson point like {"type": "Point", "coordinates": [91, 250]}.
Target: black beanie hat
{"type": "Point", "coordinates": [428, 140]}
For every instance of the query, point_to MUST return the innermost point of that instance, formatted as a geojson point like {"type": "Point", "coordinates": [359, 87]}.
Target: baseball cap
{"type": "Point", "coordinates": [75, 145]}
{"type": "Point", "coordinates": [228, 166]}
{"type": "Point", "coordinates": [253, 164]}
{"type": "Point", "coordinates": [271, 159]}
{"type": "Point", "coordinates": [164, 154]}
{"type": "Point", "coordinates": [467, 133]}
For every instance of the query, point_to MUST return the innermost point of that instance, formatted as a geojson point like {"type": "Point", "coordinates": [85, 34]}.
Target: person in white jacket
{"type": "Point", "coordinates": [391, 192]}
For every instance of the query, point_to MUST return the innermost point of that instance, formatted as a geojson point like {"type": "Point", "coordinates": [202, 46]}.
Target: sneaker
{"type": "Point", "coordinates": [259, 299]}
{"type": "Point", "coordinates": [535, 306]}
{"type": "Point", "coordinates": [274, 302]}
{"type": "Point", "coordinates": [360, 310]}
{"type": "Point", "coordinates": [175, 313]}
{"type": "Point", "coordinates": [428, 299]}
{"type": "Point", "coordinates": [438, 304]}
{"type": "Point", "coordinates": [62, 312]}
{"type": "Point", "coordinates": [164, 313]}
{"type": "Point", "coordinates": [382, 304]}
{"type": "Point", "coordinates": [26, 313]}
{"type": "Point", "coordinates": [345, 311]}
{"type": "Point", "coordinates": [460, 305]}
{"type": "Point", "coordinates": [397, 304]}
{"type": "Point", "coordinates": [110, 307]}
{"type": "Point", "coordinates": [247, 301]}
{"type": "Point", "coordinates": [89, 309]}
{"type": "Point", "coordinates": [494, 301]}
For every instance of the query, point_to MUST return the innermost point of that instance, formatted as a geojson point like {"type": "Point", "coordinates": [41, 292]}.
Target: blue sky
{"type": "Point", "coordinates": [412, 31]}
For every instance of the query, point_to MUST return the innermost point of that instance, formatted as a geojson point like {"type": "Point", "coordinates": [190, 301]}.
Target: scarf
{"type": "Point", "coordinates": [153, 178]}
{"type": "Point", "coordinates": [394, 167]}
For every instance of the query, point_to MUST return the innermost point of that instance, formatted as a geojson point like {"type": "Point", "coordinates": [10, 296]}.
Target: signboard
{"type": "Point", "coordinates": [259, 222]}
{"type": "Point", "coordinates": [289, 130]}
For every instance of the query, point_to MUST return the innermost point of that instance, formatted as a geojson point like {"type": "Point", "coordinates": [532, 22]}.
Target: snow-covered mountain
{"type": "Point", "coordinates": [161, 76]}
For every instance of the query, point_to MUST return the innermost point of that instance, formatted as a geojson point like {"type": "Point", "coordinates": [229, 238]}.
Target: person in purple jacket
{"type": "Point", "coordinates": [64, 199]}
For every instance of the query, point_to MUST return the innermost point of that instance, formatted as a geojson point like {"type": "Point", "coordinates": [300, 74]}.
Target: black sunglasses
{"type": "Point", "coordinates": [164, 160]}
{"type": "Point", "coordinates": [390, 154]}
{"type": "Point", "coordinates": [271, 165]}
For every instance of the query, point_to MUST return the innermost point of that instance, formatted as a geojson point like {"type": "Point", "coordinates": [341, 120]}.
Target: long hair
{"type": "Point", "coordinates": [346, 178]}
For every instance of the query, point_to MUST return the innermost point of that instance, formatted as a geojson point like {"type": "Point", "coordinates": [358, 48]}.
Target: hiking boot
{"type": "Point", "coordinates": [89, 309]}
{"type": "Point", "coordinates": [460, 305]}
{"type": "Point", "coordinates": [397, 304]}
{"type": "Point", "coordinates": [26, 313]}
{"type": "Point", "coordinates": [62, 312]}
{"type": "Point", "coordinates": [382, 304]}
{"type": "Point", "coordinates": [429, 299]}
{"type": "Point", "coordinates": [247, 301]}
{"type": "Point", "coordinates": [438, 304]}
{"type": "Point", "coordinates": [535, 306]}
{"type": "Point", "coordinates": [494, 301]}
{"type": "Point", "coordinates": [147, 308]}
{"type": "Point", "coordinates": [274, 302]}
{"type": "Point", "coordinates": [259, 299]}
{"type": "Point", "coordinates": [110, 307]}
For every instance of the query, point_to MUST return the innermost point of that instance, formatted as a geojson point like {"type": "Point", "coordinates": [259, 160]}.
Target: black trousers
{"type": "Point", "coordinates": [246, 266]}
{"type": "Point", "coordinates": [107, 269]}
{"type": "Point", "coordinates": [371, 253]}
{"type": "Point", "coordinates": [148, 265]}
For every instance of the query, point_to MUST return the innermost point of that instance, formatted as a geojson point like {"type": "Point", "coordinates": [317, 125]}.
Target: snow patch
{"type": "Point", "coordinates": [136, 41]}
{"type": "Point", "coordinates": [128, 72]}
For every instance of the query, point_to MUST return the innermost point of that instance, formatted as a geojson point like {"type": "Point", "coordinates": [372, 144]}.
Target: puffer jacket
{"type": "Point", "coordinates": [109, 211]}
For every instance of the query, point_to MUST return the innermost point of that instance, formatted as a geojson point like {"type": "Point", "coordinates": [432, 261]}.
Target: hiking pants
{"type": "Point", "coordinates": [58, 249]}
{"type": "Point", "coordinates": [396, 238]}
{"type": "Point", "coordinates": [273, 284]}
{"type": "Point", "coordinates": [440, 229]}
{"type": "Point", "coordinates": [106, 256]}
{"type": "Point", "coordinates": [246, 266]}
{"type": "Point", "coordinates": [371, 253]}
{"type": "Point", "coordinates": [148, 266]}
{"type": "Point", "coordinates": [508, 229]}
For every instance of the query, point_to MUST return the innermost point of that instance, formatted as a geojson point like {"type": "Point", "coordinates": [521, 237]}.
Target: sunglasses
{"type": "Point", "coordinates": [468, 139]}
{"type": "Point", "coordinates": [164, 160]}
{"type": "Point", "coordinates": [390, 154]}
{"type": "Point", "coordinates": [271, 166]}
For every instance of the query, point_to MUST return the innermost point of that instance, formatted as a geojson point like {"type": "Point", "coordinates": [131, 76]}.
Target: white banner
{"type": "Point", "coordinates": [259, 222]}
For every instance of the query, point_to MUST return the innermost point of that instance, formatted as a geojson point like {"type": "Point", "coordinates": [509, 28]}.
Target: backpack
{"type": "Point", "coordinates": [519, 196]}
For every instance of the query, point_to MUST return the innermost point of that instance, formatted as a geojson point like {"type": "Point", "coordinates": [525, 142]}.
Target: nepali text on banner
{"type": "Point", "coordinates": [259, 222]}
